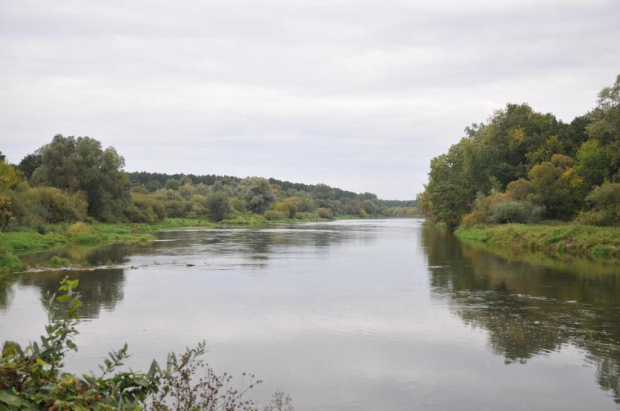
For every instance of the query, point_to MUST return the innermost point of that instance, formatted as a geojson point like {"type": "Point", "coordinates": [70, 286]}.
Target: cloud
{"type": "Point", "coordinates": [359, 94]}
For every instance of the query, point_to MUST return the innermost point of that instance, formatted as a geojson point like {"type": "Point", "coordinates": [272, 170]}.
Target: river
{"type": "Point", "coordinates": [350, 315]}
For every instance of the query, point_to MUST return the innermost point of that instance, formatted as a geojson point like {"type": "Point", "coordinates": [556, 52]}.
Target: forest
{"type": "Point", "coordinates": [74, 179]}
{"type": "Point", "coordinates": [522, 166]}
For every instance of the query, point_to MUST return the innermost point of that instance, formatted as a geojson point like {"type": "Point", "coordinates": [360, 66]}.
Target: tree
{"type": "Point", "coordinates": [605, 201]}
{"type": "Point", "coordinates": [80, 164]}
{"type": "Point", "coordinates": [558, 188]}
{"type": "Point", "coordinates": [593, 163]}
{"type": "Point", "coordinates": [30, 163]}
{"type": "Point", "coordinates": [8, 178]}
{"type": "Point", "coordinates": [257, 193]}
{"type": "Point", "coordinates": [218, 205]}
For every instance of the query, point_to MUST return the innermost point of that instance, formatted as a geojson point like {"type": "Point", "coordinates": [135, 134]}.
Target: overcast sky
{"type": "Point", "coordinates": [355, 94]}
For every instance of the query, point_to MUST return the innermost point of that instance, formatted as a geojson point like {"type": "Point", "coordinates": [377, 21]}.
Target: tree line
{"type": "Point", "coordinates": [522, 166]}
{"type": "Point", "coordinates": [75, 179]}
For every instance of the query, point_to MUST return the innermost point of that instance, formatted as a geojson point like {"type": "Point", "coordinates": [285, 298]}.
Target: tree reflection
{"type": "Point", "coordinates": [530, 309]}
{"type": "Point", "coordinates": [99, 288]}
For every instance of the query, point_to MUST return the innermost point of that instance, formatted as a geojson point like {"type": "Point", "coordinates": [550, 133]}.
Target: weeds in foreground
{"type": "Point", "coordinates": [32, 378]}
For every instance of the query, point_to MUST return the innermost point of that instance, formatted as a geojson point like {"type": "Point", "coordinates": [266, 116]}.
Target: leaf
{"type": "Point", "coordinates": [10, 399]}
{"type": "Point", "coordinates": [71, 345]}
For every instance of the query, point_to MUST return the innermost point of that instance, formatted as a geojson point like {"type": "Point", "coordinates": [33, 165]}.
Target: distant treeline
{"type": "Point", "coordinates": [74, 179]}
{"type": "Point", "coordinates": [523, 166]}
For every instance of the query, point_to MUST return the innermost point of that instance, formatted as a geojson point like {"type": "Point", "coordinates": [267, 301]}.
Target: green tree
{"type": "Point", "coordinates": [218, 205]}
{"type": "Point", "coordinates": [257, 193]}
{"type": "Point", "coordinates": [605, 202]}
{"type": "Point", "coordinates": [593, 163]}
{"type": "Point", "coordinates": [30, 163]}
{"type": "Point", "coordinates": [558, 188]}
{"type": "Point", "coordinates": [80, 164]}
{"type": "Point", "coordinates": [8, 177]}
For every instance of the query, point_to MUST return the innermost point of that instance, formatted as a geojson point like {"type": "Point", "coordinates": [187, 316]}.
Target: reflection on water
{"type": "Point", "coordinates": [529, 310]}
{"type": "Point", "coordinates": [345, 315]}
{"type": "Point", "coordinates": [98, 288]}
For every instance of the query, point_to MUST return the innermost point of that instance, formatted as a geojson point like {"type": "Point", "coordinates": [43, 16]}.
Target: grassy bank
{"type": "Point", "coordinates": [16, 243]}
{"type": "Point", "coordinates": [594, 242]}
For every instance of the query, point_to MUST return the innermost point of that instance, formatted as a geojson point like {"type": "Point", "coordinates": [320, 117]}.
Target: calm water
{"type": "Point", "coordinates": [363, 315]}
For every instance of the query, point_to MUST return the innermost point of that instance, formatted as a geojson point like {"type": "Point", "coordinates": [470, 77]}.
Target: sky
{"type": "Point", "coordinates": [358, 95]}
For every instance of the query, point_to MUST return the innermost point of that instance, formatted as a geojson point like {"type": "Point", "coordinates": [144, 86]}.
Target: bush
{"type": "Point", "coordinates": [324, 212]}
{"type": "Point", "coordinates": [218, 206]}
{"type": "Point", "coordinates": [9, 263]}
{"type": "Point", "coordinates": [33, 378]}
{"type": "Point", "coordinates": [50, 205]}
{"type": "Point", "coordinates": [594, 217]}
{"type": "Point", "coordinates": [145, 208]}
{"type": "Point", "coordinates": [605, 201]}
{"type": "Point", "coordinates": [515, 212]}
{"type": "Point", "coordinates": [274, 215]}
{"type": "Point", "coordinates": [6, 212]}
{"type": "Point", "coordinates": [56, 261]}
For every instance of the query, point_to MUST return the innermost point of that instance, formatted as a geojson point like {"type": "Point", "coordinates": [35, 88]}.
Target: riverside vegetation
{"type": "Point", "coordinates": [72, 191]}
{"type": "Point", "coordinates": [527, 179]}
{"type": "Point", "coordinates": [32, 378]}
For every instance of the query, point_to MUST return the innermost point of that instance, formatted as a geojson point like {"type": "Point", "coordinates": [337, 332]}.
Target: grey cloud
{"type": "Point", "coordinates": [357, 94]}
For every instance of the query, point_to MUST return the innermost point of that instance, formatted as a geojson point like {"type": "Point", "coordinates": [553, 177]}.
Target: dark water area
{"type": "Point", "coordinates": [364, 315]}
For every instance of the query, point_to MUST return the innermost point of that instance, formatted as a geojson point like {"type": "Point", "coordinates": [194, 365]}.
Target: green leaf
{"type": "Point", "coordinates": [13, 400]}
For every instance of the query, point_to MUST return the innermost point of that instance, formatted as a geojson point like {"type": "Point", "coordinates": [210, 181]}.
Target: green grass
{"type": "Point", "coordinates": [99, 234]}
{"type": "Point", "coordinates": [594, 242]}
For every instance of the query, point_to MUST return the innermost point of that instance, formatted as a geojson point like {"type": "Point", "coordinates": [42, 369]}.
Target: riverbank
{"type": "Point", "coordinates": [16, 243]}
{"type": "Point", "coordinates": [590, 241]}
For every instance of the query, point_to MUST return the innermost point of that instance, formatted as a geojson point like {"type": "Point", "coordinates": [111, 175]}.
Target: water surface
{"type": "Point", "coordinates": [364, 315]}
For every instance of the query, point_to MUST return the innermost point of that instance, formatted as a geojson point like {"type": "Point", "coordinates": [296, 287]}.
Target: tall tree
{"type": "Point", "coordinates": [80, 164]}
{"type": "Point", "coordinates": [257, 193]}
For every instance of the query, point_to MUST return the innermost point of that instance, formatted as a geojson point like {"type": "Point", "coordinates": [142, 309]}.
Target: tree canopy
{"type": "Point", "coordinates": [559, 164]}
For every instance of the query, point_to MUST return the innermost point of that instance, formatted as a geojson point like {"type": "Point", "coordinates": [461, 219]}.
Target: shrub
{"type": "Point", "coordinates": [218, 205]}
{"type": "Point", "coordinates": [9, 263]}
{"type": "Point", "coordinates": [51, 205]}
{"type": "Point", "coordinates": [274, 215]}
{"type": "Point", "coordinates": [6, 212]}
{"type": "Point", "coordinates": [239, 205]}
{"type": "Point", "coordinates": [324, 212]}
{"type": "Point", "coordinates": [33, 378]}
{"type": "Point", "coordinates": [79, 228]}
{"type": "Point", "coordinates": [594, 217]}
{"type": "Point", "coordinates": [515, 212]}
{"type": "Point", "coordinates": [57, 261]}
{"type": "Point", "coordinates": [605, 202]}
{"type": "Point", "coordinates": [145, 208]}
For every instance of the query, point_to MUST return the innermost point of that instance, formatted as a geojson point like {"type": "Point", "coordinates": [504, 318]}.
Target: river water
{"type": "Point", "coordinates": [350, 315]}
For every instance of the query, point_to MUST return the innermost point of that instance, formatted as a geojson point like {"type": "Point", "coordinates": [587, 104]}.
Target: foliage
{"type": "Point", "coordinates": [145, 208]}
{"type": "Point", "coordinates": [57, 261]}
{"type": "Point", "coordinates": [6, 212]}
{"type": "Point", "coordinates": [81, 164]}
{"type": "Point", "coordinates": [275, 215]}
{"type": "Point", "coordinates": [593, 242]}
{"type": "Point", "coordinates": [605, 201]}
{"type": "Point", "coordinates": [257, 193]}
{"type": "Point", "coordinates": [9, 263]}
{"type": "Point", "coordinates": [540, 163]}
{"type": "Point", "coordinates": [189, 384]}
{"type": "Point", "coordinates": [515, 212]}
{"type": "Point", "coordinates": [218, 205]}
{"type": "Point", "coordinates": [8, 177]}
{"type": "Point", "coordinates": [324, 213]}
{"type": "Point", "coordinates": [33, 377]}
{"type": "Point", "coordinates": [50, 205]}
